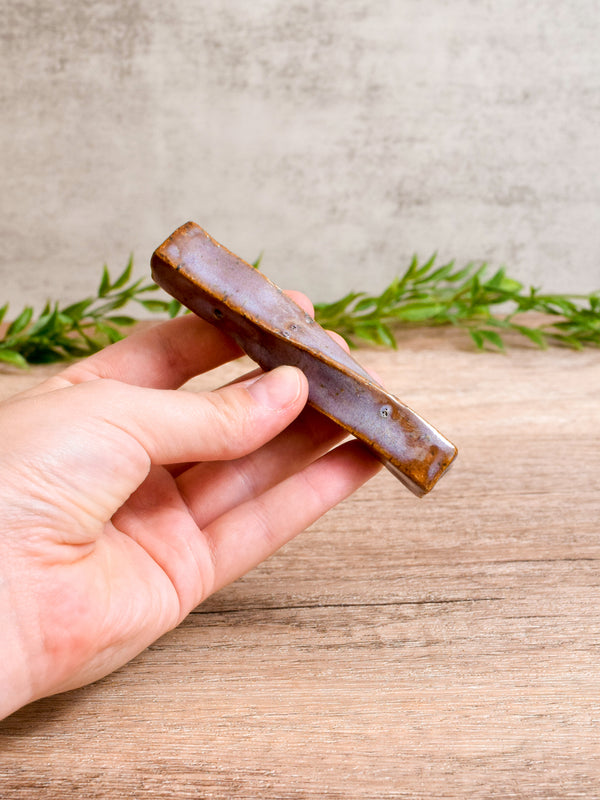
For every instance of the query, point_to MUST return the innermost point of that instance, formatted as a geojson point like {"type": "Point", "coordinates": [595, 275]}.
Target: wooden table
{"type": "Point", "coordinates": [439, 648]}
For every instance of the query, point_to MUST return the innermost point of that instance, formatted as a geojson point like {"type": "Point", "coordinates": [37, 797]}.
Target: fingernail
{"type": "Point", "coordinates": [276, 389]}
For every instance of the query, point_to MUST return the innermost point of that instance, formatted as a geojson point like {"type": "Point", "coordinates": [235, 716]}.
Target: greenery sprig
{"type": "Point", "coordinates": [82, 328]}
{"type": "Point", "coordinates": [426, 294]}
{"type": "Point", "coordinates": [485, 307]}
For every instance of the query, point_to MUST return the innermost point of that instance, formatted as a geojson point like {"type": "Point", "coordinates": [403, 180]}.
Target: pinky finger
{"type": "Point", "coordinates": [253, 531]}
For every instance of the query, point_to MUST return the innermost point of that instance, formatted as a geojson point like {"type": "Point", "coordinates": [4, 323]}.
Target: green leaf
{"type": "Point", "coordinates": [496, 279]}
{"type": "Point", "coordinates": [93, 344]}
{"type": "Point", "coordinates": [388, 297]}
{"type": "Point", "coordinates": [174, 308]}
{"type": "Point", "coordinates": [418, 312]}
{"type": "Point", "coordinates": [510, 286]}
{"type": "Point", "coordinates": [46, 325]}
{"type": "Point", "coordinates": [460, 274]}
{"type": "Point", "coordinates": [148, 287]}
{"type": "Point", "coordinates": [75, 349]}
{"type": "Point", "coordinates": [45, 355]}
{"type": "Point", "coordinates": [475, 288]}
{"type": "Point", "coordinates": [124, 276]}
{"type": "Point", "coordinates": [499, 282]}
{"type": "Point", "coordinates": [330, 310]}
{"type": "Point", "coordinates": [3, 311]}
{"type": "Point", "coordinates": [559, 305]}
{"type": "Point", "coordinates": [117, 302]}
{"type": "Point", "coordinates": [104, 288]}
{"type": "Point", "coordinates": [368, 333]}
{"type": "Point", "coordinates": [21, 322]}
{"type": "Point", "coordinates": [385, 336]}
{"type": "Point", "coordinates": [154, 305]}
{"type": "Point", "coordinates": [111, 333]}
{"type": "Point", "coordinates": [122, 320]}
{"type": "Point", "coordinates": [534, 335]}
{"type": "Point", "coordinates": [77, 310]}
{"type": "Point", "coordinates": [477, 338]}
{"type": "Point", "coordinates": [442, 273]}
{"type": "Point", "coordinates": [12, 357]}
{"type": "Point", "coordinates": [493, 338]}
{"type": "Point", "coordinates": [421, 273]}
{"type": "Point", "coordinates": [410, 271]}
{"type": "Point", "coordinates": [569, 341]}
{"type": "Point", "coordinates": [365, 305]}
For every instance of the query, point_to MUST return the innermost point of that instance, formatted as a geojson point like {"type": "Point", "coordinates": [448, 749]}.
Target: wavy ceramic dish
{"type": "Point", "coordinates": [228, 292]}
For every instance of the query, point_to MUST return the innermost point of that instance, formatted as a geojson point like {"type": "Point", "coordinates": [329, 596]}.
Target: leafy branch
{"type": "Point", "coordinates": [486, 308]}
{"type": "Point", "coordinates": [82, 328]}
{"type": "Point", "coordinates": [426, 294]}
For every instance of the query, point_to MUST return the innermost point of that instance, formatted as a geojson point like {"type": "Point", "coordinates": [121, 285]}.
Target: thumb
{"type": "Point", "coordinates": [180, 426]}
{"type": "Point", "coordinates": [84, 449]}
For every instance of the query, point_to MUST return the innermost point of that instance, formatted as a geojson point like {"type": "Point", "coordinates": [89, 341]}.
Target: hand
{"type": "Point", "coordinates": [124, 503]}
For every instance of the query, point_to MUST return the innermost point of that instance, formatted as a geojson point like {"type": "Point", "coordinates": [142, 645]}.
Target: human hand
{"type": "Point", "coordinates": [124, 503]}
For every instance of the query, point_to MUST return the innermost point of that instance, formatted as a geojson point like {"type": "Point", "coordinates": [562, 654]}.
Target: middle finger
{"type": "Point", "coordinates": [210, 489]}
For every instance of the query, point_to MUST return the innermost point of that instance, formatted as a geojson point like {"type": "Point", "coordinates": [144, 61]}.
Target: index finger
{"type": "Point", "coordinates": [163, 356]}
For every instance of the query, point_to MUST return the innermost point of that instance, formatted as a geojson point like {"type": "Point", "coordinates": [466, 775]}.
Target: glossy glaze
{"type": "Point", "coordinates": [223, 289]}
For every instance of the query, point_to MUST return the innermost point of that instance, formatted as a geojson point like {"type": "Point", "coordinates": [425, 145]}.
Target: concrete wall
{"type": "Point", "coordinates": [338, 136]}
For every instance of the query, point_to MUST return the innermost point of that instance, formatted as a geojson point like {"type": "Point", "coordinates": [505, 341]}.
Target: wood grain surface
{"type": "Point", "coordinates": [400, 648]}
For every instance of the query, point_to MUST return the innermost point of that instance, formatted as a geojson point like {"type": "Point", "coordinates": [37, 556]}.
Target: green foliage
{"type": "Point", "coordinates": [82, 328]}
{"type": "Point", "coordinates": [485, 307]}
{"type": "Point", "coordinates": [426, 294]}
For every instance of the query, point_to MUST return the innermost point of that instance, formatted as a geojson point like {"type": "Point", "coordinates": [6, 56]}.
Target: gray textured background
{"type": "Point", "coordinates": [340, 137]}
